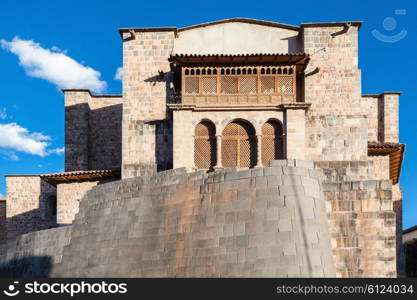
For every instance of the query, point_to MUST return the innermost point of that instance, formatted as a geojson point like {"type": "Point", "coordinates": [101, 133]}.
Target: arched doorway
{"type": "Point", "coordinates": [272, 141]}
{"type": "Point", "coordinates": [239, 145]}
{"type": "Point", "coordinates": [205, 145]}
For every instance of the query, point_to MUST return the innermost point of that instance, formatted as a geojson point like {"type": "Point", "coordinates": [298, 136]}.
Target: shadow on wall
{"type": "Point", "coordinates": [105, 138]}
{"type": "Point", "coordinates": [293, 44]}
{"type": "Point", "coordinates": [163, 128]}
{"type": "Point", "coordinates": [410, 249]}
{"type": "Point", "coordinates": [93, 137]}
{"type": "Point", "coordinates": [29, 221]}
{"type": "Point", "coordinates": [163, 143]}
{"type": "Point", "coordinates": [31, 266]}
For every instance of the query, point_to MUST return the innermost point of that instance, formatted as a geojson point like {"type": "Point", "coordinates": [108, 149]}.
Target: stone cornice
{"type": "Point", "coordinates": [382, 94]}
{"type": "Point", "coordinates": [91, 94]}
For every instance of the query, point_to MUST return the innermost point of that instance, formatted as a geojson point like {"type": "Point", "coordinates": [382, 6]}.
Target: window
{"type": "Point", "coordinates": [238, 84]}
{"type": "Point", "coordinates": [205, 145]}
{"type": "Point", "coordinates": [239, 145]}
{"type": "Point", "coordinates": [272, 142]}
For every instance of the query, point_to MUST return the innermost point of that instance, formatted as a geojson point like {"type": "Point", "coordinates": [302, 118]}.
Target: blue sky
{"type": "Point", "coordinates": [82, 36]}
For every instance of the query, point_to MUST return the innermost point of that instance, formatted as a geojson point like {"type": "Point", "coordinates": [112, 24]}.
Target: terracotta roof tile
{"type": "Point", "coordinates": [82, 175]}
{"type": "Point", "coordinates": [396, 155]}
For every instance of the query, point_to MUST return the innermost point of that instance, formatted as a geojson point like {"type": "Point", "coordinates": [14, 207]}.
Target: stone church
{"type": "Point", "coordinates": [239, 147]}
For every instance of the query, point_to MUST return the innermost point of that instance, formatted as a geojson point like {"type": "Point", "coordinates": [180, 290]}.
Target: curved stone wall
{"type": "Point", "coordinates": [266, 222]}
{"type": "Point", "coordinates": [250, 223]}
{"type": "Point", "coordinates": [34, 254]}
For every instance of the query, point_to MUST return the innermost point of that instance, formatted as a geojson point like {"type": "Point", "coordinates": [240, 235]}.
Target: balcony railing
{"type": "Point", "coordinates": [238, 85]}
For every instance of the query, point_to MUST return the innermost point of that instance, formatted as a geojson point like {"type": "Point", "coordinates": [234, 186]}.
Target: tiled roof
{"type": "Point", "coordinates": [411, 229]}
{"type": "Point", "coordinates": [396, 155]}
{"type": "Point", "coordinates": [299, 59]}
{"type": "Point", "coordinates": [379, 145]}
{"type": "Point", "coordinates": [85, 175]}
{"type": "Point", "coordinates": [239, 54]}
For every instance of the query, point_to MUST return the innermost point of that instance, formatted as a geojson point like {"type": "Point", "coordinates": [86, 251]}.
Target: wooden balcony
{"type": "Point", "coordinates": [231, 85]}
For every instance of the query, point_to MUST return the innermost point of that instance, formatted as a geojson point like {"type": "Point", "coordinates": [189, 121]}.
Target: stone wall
{"type": "Point", "coordinates": [76, 130]}
{"type": "Point", "coordinates": [397, 198]}
{"type": "Point", "coordinates": [383, 116]}
{"type": "Point", "coordinates": [69, 196]}
{"type": "Point", "coordinates": [247, 223]}
{"type": "Point", "coordinates": [260, 222]}
{"type": "Point", "coordinates": [391, 117]}
{"type": "Point", "coordinates": [93, 131]}
{"type": "Point", "coordinates": [372, 109]}
{"type": "Point", "coordinates": [3, 224]}
{"type": "Point", "coordinates": [381, 166]}
{"type": "Point", "coordinates": [34, 254]}
{"type": "Point", "coordinates": [105, 132]}
{"type": "Point", "coordinates": [146, 91]}
{"type": "Point", "coordinates": [336, 126]}
{"type": "Point", "coordinates": [362, 219]}
{"type": "Point", "coordinates": [27, 204]}
{"type": "Point", "coordinates": [263, 222]}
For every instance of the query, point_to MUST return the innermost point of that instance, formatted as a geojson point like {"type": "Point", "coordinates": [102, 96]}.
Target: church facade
{"type": "Point", "coordinates": [237, 93]}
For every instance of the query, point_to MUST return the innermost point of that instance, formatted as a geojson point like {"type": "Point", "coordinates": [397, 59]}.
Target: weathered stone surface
{"type": "Point", "coordinates": [3, 224]}
{"type": "Point", "coordinates": [34, 254]}
{"type": "Point", "coordinates": [173, 224]}
{"type": "Point", "coordinates": [362, 221]}
{"type": "Point", "coordinates": [93, 131]}
{"type": "Point", "coordinates": [28, 204]}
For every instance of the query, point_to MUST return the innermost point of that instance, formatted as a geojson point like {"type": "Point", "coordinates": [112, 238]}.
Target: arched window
{"type": "Point", "coordinates": [205, 145]}
{"type": "Point", "coordinates": [272, 141]}
{"type": "Point", "coordinates": [239, 145]}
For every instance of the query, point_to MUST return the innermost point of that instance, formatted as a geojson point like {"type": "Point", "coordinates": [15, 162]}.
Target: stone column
{"type": "Point", "coordinates": [219, 152]}
{"type": "Point", "coordinates": [259, 151]}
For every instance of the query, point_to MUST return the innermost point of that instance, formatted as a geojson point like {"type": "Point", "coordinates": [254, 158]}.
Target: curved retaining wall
{"type": "Point", "coordinates": [34, 254]}
{"type": "Point", "coordinates": [266, 222]}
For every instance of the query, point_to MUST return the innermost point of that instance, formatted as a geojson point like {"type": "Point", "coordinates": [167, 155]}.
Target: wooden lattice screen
{"type": "Point", "coordinates": [238, 145]}
{"type": "Point", "coordinates": [205, 145]}
{"type": "Point", "coordinates": [272, 142]}
{"type": "Point", "coordinates": [241, 84]}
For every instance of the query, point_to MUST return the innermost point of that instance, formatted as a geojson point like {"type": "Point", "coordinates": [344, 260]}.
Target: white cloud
{"type": "Point", "coordinates": [13, 156]}
{"type": "Point", "coordinates": [119, 74]}
{"type": "Point", "coordinates": [57, 151]}
{"type": "Point", "coordinates": [54, 65]}
{"type": "Point", "coordinates": [8, 155]}
{"type": "Point", "coordinates": [2, 196]}
{"type": "Point", "coordinates": [3, 114]}
{"type": "Point", "coordinates": [15, 137]}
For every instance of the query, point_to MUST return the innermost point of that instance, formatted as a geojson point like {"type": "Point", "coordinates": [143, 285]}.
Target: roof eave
{"type": "Point", "coordinates": [91, 94]}
{"type": "Point", "coordinates": [382, 94]}
{"type": "Point", "coordinates": [243, 20]}
{"type": "Point", "coordinates": [147, 29]}
{"type": "Point", "coordinates": [331, 24]}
